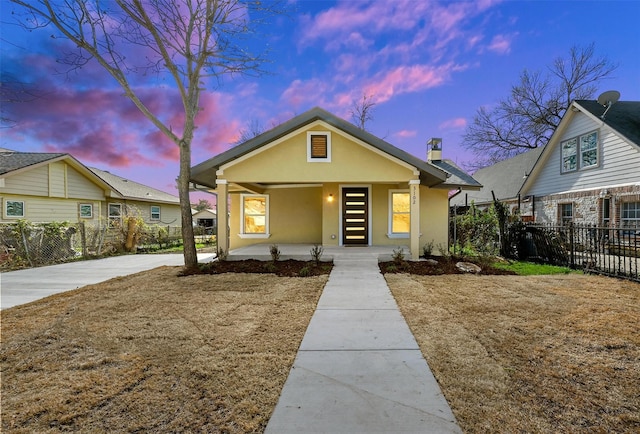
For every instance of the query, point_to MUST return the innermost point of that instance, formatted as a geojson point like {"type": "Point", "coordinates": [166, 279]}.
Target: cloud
{"type": "Point", "coordinates": [453, 123]}
{"type": "Point", "coordinates": [406, 79]}
{"type": "Point", "coordinates": [406, 134]}
{"type": "Point", "coordinates": [501, 44]}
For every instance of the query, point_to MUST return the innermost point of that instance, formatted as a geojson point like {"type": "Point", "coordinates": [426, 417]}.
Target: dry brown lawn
{"type": "Point", "coordinates": [154, 352]}
{"type": "Point", "coordinates": [542, 354]}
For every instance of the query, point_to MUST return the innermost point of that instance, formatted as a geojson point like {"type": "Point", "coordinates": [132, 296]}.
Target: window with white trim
{"type": "Point", "coordinates": [399, 213]}
{"type": "Point", "coordinates": [13, 208]}
{"type": "Point", "coordinates": [85, 210]}
{"type": "Point", "coordinates": [630, 215]}
{"type": "Point", "coordinates": [155, 212]}
{"type": "Point", "coordinates": [115, 214]}
{"type": "Point", "coordinates": [580, 152]}
{"type": "Point", "coordinates": [318, 146]}
{"type": "Point", "coordinates": [255, 215]}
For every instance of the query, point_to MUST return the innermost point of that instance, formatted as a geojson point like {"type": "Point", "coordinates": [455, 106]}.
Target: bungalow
{"type": "Point", "coordinates": [56, 187]}
{"type": "Point", "coordinates": [318, 179]}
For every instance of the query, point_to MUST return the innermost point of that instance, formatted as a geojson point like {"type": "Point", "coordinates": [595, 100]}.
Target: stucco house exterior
{"type": "Point", "coordinates": [56, 187]}
{"type": "Point", "coordinates": [589, 172]}
{"type": "Point", "coordinates": [318, 179]}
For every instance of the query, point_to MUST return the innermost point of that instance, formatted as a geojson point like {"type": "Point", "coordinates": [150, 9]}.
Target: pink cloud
{"type": "Point", "coordinates": [302, 92]}
{"type": "Point", "coordinates": [501, 44]}
{"type": "Point", "coordinates": [405, 79]}
{"type": "Point", "coordinates": [454, 123]}
{"type": "Point", "coordinates": [406, 134]}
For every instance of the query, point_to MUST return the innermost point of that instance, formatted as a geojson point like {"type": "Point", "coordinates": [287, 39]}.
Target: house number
{"type": "Point", "coordinates": [414, 194]}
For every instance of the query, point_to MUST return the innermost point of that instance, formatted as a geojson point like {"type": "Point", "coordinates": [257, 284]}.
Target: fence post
{"type": "Point", "coordinates": [572, 245]}
{"type": "Point", "coordinates": [83, 239]}
{"type": "Point", "coordinates": [26, 247]}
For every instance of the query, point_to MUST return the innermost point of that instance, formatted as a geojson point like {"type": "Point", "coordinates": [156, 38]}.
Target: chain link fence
{"type": "Point", "coordinates": [25, 244]}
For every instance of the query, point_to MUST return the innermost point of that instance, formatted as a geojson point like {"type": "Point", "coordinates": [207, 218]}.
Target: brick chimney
{"type": "Point", "coordinates": [434, 149]}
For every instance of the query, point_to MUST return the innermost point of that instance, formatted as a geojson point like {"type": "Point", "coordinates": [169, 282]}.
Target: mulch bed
{"type": "Point", "coordinates": [288, 268]}
{"type": "Point", "coordinates": [443, 265]}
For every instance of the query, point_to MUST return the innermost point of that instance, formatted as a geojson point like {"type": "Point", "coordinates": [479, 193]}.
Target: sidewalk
{"type": "Point", "coordinates": [25, 286]}
{"type": "Point", "coordinates": [359, 368]}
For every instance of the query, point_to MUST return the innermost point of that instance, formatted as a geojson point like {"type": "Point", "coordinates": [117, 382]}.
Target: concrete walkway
{"type": "Point", "coordinates": [25, 286]}
{"type": "Point", "coordinates": [359, 368]}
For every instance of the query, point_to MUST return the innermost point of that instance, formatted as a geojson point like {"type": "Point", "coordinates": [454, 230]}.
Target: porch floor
{"type": "Point", "coordinates": [358, 368]}
{"type": "Point", "coordinates": [302, 252]}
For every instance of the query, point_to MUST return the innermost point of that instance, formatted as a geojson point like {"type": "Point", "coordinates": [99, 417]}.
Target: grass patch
{"type": "Point", "coordinates": [541, 354]}
{"type": "Point", "coordinates": [154, 352]}
{"type": "Point", "coordinates": [532, 269]}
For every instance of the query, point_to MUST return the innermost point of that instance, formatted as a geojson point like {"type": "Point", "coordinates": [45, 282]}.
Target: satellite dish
{"type": "Point", "coordinates": [608, 99]}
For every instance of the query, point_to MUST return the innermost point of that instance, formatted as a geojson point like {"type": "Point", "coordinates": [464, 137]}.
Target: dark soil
{"type": "Point", "coordinates": [289, 267]}
{"type": "Point", "coordinates": [444, 266]}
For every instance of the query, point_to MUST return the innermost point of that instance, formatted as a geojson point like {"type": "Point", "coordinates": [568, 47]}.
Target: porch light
{"type": "Point", "coordinates": [330, 198]}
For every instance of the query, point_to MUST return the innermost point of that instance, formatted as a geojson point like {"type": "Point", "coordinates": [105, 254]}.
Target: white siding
{"type": "Point", "coordinates": [619, 162]}
{"type": "Point", "coordinates": [57, 180]}
{"type": "Point", "coordinates": [33, 182]}
{"type": "Point", "coordinates": [78, 186]}
{"type": "Point", "coordinates": [44, 210]}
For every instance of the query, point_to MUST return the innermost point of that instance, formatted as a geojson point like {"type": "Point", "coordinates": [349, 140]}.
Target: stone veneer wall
{"type": "Point", "coordinates": [587, 205]}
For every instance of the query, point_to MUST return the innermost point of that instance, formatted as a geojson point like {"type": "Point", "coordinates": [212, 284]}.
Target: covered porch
{"type": "Point", "coordinates": [261, 251]}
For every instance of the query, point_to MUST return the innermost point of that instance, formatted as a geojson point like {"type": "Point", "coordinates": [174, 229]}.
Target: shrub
{"type": "Point", "coordinates": [316, 253]}
{"type": "Point", "coordinates": [398, 255]}
{"type": "Point", "coordinates": [427, 249]}
{"type": "Point", "coordinates": [275, 252]}
{"type": "Point", "coordinates": [304, 272]}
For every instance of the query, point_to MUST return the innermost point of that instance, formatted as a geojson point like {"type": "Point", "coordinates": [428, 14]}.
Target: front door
{"type": "Point", "coordinates": [355, 216]}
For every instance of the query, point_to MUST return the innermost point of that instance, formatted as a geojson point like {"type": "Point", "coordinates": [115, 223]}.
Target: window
{"type": "Point", "coordinates": [580, 152]}
{"type": "Point", "coordinates": [588, 150]}
{"type": "Point", "coordinates": [566, 213]}
{"type": "Point", "coordinates": [115, 214]}
{"type": "Point", "coordinates": [318, 146]}
{"type": "Point", "coordinates": [13, 208]}
{"type": "Point", "coordinates": [86, 210]}
{"type": "Point", "coordinates": [400, 213]}
{"type": "Point", "coordinates": [569, 155]}
{"type": "Point", "coordinates": [606, 211]}
{"type": "Point", "coordinates": [630, 215]}
{"type": "Point", "coordinates": [155, 212]}
{"type": "Point", "coordinates": [255, 221]}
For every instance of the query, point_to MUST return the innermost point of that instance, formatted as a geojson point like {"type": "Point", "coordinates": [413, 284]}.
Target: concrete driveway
{"type": "Point", "coordinates": [25, 286]}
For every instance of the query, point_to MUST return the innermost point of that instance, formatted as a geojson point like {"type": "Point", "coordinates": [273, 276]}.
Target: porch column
{"type": "Point", "coordinates": [414, 188]}
{"type": "Point", "coordinates": [222, 215]}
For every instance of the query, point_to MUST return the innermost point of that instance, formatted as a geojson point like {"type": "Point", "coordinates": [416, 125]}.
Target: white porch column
{"type": "Point", "coordinates": [222, 215]}
{"type": "Point", "coordinates": [414, 188]}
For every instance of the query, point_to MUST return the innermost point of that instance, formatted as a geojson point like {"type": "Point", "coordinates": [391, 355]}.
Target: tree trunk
{"type": "Point", "coordinates": [189, 250]}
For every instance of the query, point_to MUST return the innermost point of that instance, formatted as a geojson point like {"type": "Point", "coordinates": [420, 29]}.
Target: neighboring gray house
{"type": "Point", "coordinates": [206, 219]}
{"type": "Point", "coordinates": [504, 179]}
{"type": "Point", "coordinates": [589, 172]}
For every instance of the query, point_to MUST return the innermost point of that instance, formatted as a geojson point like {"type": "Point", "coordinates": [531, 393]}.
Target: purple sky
{"type": "Point", "coordinates": [428, 66]}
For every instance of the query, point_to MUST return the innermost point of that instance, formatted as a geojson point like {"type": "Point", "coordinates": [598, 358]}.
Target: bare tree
{"type": "Point", "coordinates": [528, 117]}
{"type": "Point", "coordinates": [253, 129]}
{"type": "Point", "coordinates": [202, 205]}
{"type": "Point", "coordinates": [362, 111]}
{"type": "Point", "coordinates": [13, 91]}
{"type": "Point", "coordinates": [185, 41]}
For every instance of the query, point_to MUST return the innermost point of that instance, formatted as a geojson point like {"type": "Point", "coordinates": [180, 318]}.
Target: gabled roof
{"type": "Point", "coordinates": [13, 160]}
{"type": "Point", "coordinates": [623, 117]}
{"type": "Point", "coordinates": [204, 173]}
{"type": "Point", "coordinates": [133, 190]}
{"type": "Point", "coordinates": [504, 178]}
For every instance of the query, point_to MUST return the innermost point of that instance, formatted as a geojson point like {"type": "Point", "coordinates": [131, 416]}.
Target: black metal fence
{"type": "Point", "coordinates": [594, 249]}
